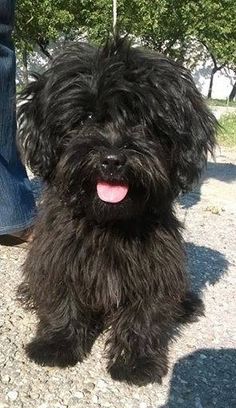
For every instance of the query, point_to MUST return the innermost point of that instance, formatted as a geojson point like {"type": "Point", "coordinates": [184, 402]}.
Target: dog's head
{"type": "Point", "coordinates": [116, 130]}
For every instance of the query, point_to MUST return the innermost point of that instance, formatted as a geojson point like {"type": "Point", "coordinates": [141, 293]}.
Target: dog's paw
{"type": "Point", "coordinates": [52, 354]}
{"type": "Point", "coordinates": [141, 372]}
{"type": "Point", "coordinates": [192, 308]}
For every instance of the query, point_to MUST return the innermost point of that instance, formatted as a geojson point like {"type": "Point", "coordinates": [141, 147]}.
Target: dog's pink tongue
{"type": "Point", "coordinates": [111, 193]}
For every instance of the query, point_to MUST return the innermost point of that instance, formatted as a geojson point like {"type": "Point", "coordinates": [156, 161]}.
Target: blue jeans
{"type": "Point", "coordinates": [17, 205]}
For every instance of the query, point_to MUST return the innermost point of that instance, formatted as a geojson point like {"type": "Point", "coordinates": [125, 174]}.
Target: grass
{"type": "Point", "coordinates": [221, 102]}
{"type": "Point", "coordinates": [227, 133]}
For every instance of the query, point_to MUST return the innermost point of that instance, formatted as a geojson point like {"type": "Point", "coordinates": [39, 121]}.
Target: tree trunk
{"type": "Point", "coordinates": [232, 93]}
{"type": "Point", "coordinates": [211, 83]}
{"type": "Point", "coordinates": [44, 50]}
{"type": "Point", "coordinates": [25, 66]}
{"type": "Point", "coordinates": [214, 69]}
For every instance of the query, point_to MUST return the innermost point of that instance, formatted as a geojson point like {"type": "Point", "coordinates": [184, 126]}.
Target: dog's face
{"type": "Point", "coordinates": [112, 173]}
{"type": "Point", "coordinates": [116, 131]}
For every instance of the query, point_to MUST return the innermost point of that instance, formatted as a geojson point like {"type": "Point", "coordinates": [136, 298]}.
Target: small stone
{"type": "Point", "coordinates": [180, 400]}
{"type": "Point", "coordinates": [79, 394]}
{"type": "Point", "coordinates": [2, 358]}
{"type": "Point", "coordinates": [214, 210]}
{"type": "Point", "coordinates": [101, 384]}
{"type": "Point", "coordinates": [198, 403]}
{"type": "Point", "coordinates": [95, 399]}
{"type": "Point", "coordinates": [74, 401]}
{"type": "Point", "coordinates": [90, 386]}
{"type": "Point", "coordinates": [5, 379]}
{"type": "Point", "coordinates": [86, 392]}
{"type": "Point", "coordinates": [12, 395]}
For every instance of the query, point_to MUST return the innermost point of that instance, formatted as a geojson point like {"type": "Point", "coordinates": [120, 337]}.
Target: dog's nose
{"type": "Point", "coordinates": [113, 162]}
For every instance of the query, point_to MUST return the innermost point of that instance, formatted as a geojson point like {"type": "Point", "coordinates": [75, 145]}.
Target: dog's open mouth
{"type": "Point", "coordinates": [111, 192]}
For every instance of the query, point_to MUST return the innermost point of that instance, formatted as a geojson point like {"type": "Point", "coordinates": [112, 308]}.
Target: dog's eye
{"type": "Point", "coordinates": [130, 146]}
{"type": "Point", "coordinates": [89, 116]}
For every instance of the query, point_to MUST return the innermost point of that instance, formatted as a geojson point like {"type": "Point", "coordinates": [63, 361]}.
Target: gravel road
{"type": "Point", "coordinates": [202, 361]}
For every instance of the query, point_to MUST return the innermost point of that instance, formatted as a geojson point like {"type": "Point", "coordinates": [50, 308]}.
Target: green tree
{"type": "Point", "coordinates": [155, 23]}
{"type": "Point", "coordinates": [213, 24]}
{"type": "Point", "coordinates": [41, 21]}
{"type": "Point", "coordinates": [172, 27]}
{"type": "Point", "coordinates": [168, 26]}
{"type": "Point", "coordinates": [160, 25]}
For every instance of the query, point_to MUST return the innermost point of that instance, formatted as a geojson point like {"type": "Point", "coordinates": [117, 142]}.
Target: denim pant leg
{"type": "Point", "coordinates": [17, 206]}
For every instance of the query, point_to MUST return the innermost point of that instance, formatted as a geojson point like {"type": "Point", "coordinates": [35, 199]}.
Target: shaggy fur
{"type": "Point", "coordinates": [122, 115]}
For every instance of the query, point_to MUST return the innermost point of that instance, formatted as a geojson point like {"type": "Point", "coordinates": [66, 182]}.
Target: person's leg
{"type": "Point", "coordinates": [17, 206]}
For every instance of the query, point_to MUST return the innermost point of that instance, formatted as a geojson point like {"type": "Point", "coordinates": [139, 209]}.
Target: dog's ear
{"type": "Point", "coordinates": [195, 134]}
{"type": "Point", "coordinates": [34, 138]}
{"type": "Point", "coordinates": [53, 105]}
{"type": "Point", "coordinates": [180, 117]}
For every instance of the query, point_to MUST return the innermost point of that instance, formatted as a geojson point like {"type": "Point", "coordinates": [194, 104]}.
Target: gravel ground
{"type": "Point", "coordinates": [202, 361]}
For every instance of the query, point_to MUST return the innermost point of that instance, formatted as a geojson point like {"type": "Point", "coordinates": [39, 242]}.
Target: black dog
{"type": "Point", "coordinates": [117, 133]}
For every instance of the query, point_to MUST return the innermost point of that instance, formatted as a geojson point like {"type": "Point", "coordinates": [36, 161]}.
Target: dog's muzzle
{"type": "Point", "coordinates": [112, 163]}
{"type": "Point", "coordinates": [110, 189]}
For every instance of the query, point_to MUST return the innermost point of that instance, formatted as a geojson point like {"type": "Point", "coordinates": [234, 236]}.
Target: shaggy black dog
{"type": "Point", "coordinates": [117, 133]}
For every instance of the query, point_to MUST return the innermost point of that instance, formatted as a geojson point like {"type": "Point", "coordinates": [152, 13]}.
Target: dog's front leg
{"type": "Point", "coordinates": [64, 336]}
{"type": "Point", "coordinates": [138, 345]}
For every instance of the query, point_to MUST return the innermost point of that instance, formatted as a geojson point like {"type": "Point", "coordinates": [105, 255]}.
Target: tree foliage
{"type": "Point", "coordinates": [161, 24]}
{"type": "Point", "coordinates": [40, 21]}
{"type": "Point", "coordinates": [213, 23]}
{"type": "Point", "coordinates": [169, 26]}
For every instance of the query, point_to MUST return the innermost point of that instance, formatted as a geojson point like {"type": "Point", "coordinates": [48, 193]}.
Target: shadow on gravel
{"type": "Point", "coordinates": [204, 379]}
{"type": "Point", "coordinates": [221, 171]}
{"type": "Point", "coordinates": [225, 172]}
{"type": "Point", "coordinates": [206, 265]}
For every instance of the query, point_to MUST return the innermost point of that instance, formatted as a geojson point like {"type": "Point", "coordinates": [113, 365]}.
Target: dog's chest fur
{"type": "Point", "coordinates": [102, 264]}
